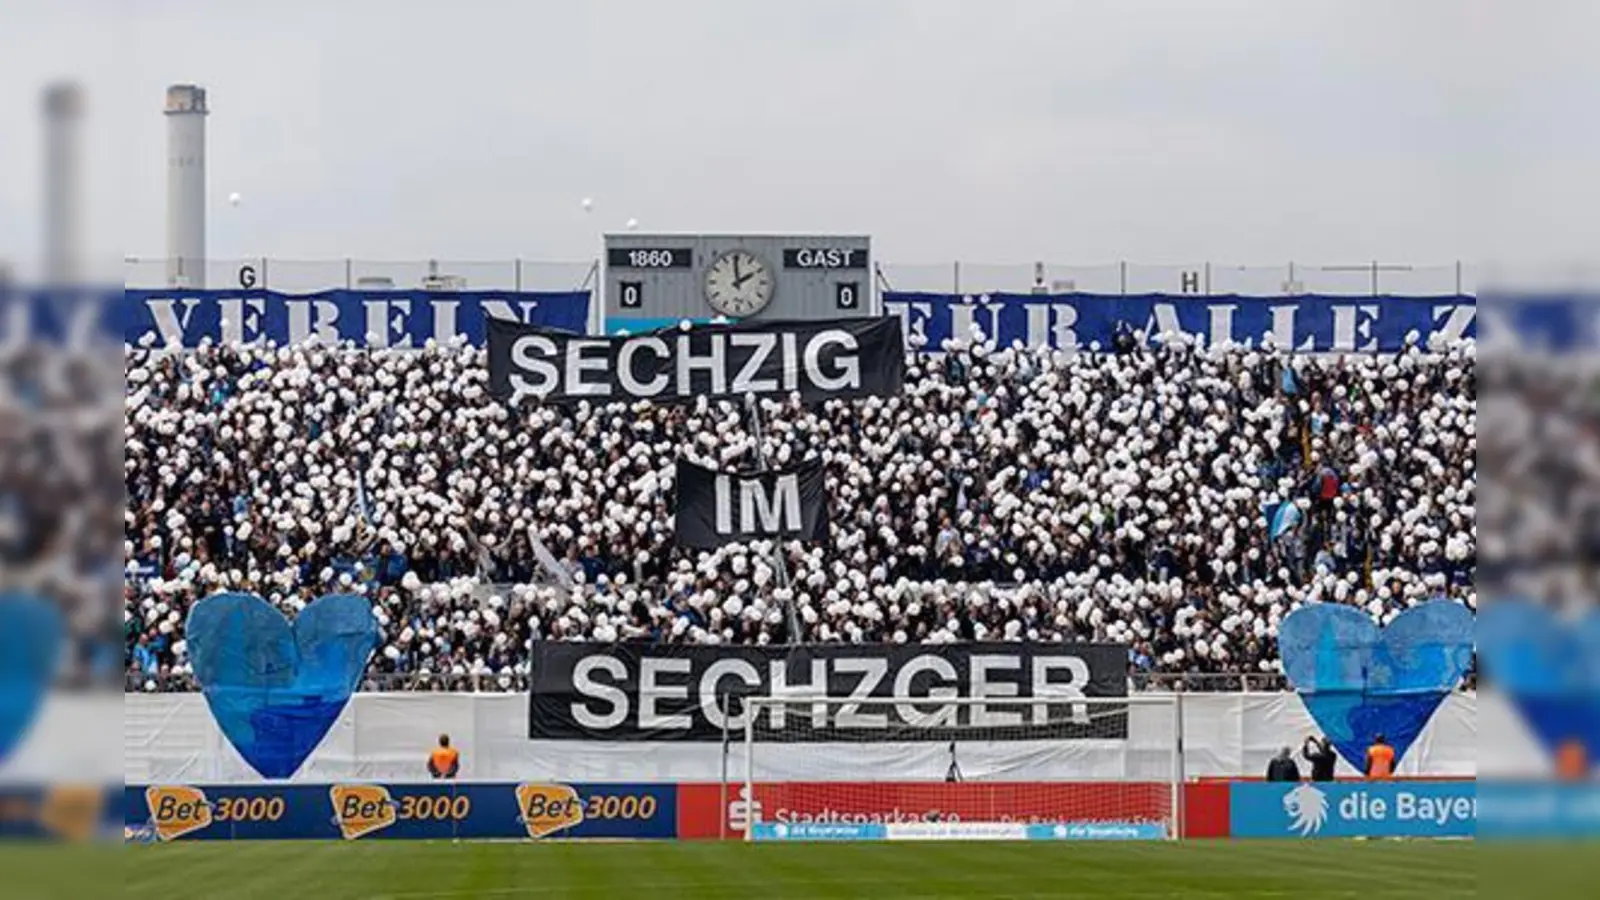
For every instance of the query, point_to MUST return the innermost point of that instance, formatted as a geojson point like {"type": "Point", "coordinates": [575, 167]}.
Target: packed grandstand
{"type": "Point", "coordinates": [1174, 497]}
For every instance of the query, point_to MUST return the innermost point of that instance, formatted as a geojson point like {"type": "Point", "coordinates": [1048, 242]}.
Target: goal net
{"type": "Point", "coordinates": [896, 768]}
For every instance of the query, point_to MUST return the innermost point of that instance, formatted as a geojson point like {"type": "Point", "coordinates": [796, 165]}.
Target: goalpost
{"type": "Point", "coordinates": [946, 768]}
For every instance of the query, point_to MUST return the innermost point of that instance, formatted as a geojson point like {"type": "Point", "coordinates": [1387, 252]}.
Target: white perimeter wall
{"type": "Point", "coordinates": [386, 737]}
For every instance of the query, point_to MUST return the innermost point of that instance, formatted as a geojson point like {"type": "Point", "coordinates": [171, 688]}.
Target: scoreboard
{"type": "Point", "coordinates": [652, 281]}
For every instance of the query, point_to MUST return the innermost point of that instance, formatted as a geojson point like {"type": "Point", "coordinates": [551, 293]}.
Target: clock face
{"type": "Point", "coordinates": [739, 283]}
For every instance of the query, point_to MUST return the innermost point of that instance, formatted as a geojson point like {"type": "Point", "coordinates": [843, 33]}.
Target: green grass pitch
{"type": "Point", "coordinates": [400, 870]}
{"type": "Point", "coordinates": [704, 871]}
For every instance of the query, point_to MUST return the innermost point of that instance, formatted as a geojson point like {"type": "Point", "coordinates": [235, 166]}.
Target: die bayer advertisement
{"type": "Point", "coordinates": [1427, 809]}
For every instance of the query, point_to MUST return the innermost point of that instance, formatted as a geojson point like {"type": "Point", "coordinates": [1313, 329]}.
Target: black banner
{"type": "Point", "coordinates": [716, 508]}
{"type": "Point", "coordinates": [692, 692]}
{"type": "Point", "coordinates": [822, 360]}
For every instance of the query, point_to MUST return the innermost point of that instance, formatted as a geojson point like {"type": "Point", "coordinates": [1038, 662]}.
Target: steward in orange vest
{"type": "Point", "coordinates": [1380, 760]}
{"type": "Point", "coordinates": [1572, 760]}
{"type": "Point", "coordinates": [445, 760]}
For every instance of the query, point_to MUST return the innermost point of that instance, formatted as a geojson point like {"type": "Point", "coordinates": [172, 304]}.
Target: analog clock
{"type": "Point", "coordinates": [739, 283]}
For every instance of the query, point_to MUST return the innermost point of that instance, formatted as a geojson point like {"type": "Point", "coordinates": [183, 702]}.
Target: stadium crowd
{"type": "Point", "coordinates": [1542, 450]}
{"type": "Point", "coordinates": [1179, 498]}
{"type": "Point", "coordinates": [60, 499]}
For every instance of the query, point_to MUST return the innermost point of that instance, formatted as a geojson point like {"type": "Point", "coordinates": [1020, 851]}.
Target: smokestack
{"type": "Point", "coordinates": [63, 183]}
{"type": "Point", "coordinates": [186, 186]}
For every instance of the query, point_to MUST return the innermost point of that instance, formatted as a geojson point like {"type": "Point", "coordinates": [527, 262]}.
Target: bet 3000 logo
{"type": "Point", "coordinates": [545, 809]}
{"type": "Point", "coordinates": [176, 810]}
{"type": "Point", "coordinates": [361, 809]}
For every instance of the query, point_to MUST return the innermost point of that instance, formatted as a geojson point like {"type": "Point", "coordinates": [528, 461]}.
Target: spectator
{"type": "Point", "coordinates": [1008, 494]}
{"type": "Point", "coordinates": [1282, 768]}
{"type": "Point", "coordinates": [1319, 752]}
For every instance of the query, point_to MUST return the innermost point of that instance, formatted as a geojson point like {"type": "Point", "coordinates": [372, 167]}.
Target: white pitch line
{"type": "Point", "coordinates": [675, 886]}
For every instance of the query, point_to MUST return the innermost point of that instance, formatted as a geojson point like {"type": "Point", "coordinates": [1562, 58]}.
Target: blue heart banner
{"type": "Point", "coordinates": [275, 688]}
{"type": "Point", "coordinates": [31, 633]}
{"type": "Point", "coordinates": [1359, 682]}
{"type": "Point", "coordinates": [1549, 667]}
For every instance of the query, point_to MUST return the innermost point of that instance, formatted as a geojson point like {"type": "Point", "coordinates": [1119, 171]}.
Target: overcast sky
{"type": "Point", "coordinates": [984, 130]}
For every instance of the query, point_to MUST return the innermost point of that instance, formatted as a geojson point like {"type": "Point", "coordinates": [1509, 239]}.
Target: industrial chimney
{"type": "Point", "coordinates": [63, 183]}
{"type": "Point", "coordinates": [186, 186]}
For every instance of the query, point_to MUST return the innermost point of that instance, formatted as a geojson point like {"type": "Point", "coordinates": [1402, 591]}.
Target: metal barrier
{"type": "Point", "coordinates": [1199, 279]}
{"type": "Point", "coordinates": [305, 276]}
{"type": "Point", "coordinates": [1208, 682]}
{"type": "Point", "coordinates": [374, 682]}
{"type": "Point", "coordinates": [1354, 279]}
{"type": "Point", "coordinates": [384, 682]}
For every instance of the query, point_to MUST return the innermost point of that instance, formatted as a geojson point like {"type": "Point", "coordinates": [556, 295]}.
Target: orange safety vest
{"type": "Point", "coordinates": [1380, 762]}
{"type": "Point", "coordinates": [1572, 761]}
{"type": "Point", "coordinates": [442, 760]}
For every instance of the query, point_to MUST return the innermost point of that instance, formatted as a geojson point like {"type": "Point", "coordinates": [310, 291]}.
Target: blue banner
{"type": "Point", "coordinates": [276, 687]}
{"type": "Point", "coordinates": [817, 831]}
{"type": "Point", "coordinates": [184, 318]}
{"type": "Point", "coordinates": [369, 318]}
{"type": "Point", "coordinates": [60, 812]}
{"type": "Point", "coordinates": [1539, 811]}
{"type": "Point", "coordinates": [62, 316]}
{"type": "Point", "coordinates": [1552, 323]}
{"type": "Point", "coordinates": [1098, 831]}
{"type": "Point", "coordinates": [958, 831]}
{"type": "Point", "coordinates": [437, 810]}
{"type": "Point", "coordinates": [1360, 682]}
{"type": "Point", "coordinates": [388, 318]}
{"type": "Point", "coordinates": [1073, 321]}
{"type": "Point", "coordinates": [1427, 809]}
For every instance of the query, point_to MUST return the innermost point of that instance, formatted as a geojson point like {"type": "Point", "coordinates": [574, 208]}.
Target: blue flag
{"type": "Point", "coordinates": [1283, 520]}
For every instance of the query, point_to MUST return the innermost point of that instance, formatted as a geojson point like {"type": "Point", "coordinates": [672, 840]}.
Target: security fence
{"type": "Point", "coordinates": [447, 682]}
{"type": "Point", "coordinates": [304, 276]}
{"type": "Point", "coordinates": [1360, 279]}
{"type": "Point", "coordinates": [1352, 279]}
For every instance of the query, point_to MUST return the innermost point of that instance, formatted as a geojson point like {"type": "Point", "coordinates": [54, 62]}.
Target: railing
{"type": "Point", "coordinates": [499, 684]}
{"type": "Point", "coordinates": [138, 683]}
{"type": "Point", "coordinates": [1363, 279]}
{"type": "Point", "coordinates": [1208, 682]}
{"type": "Point", "coordinates": [304, 276]}
{"type": "Point", "coordinates": [1354, 279]}
{"type": "Point", "coordinates": [1142, 682]}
